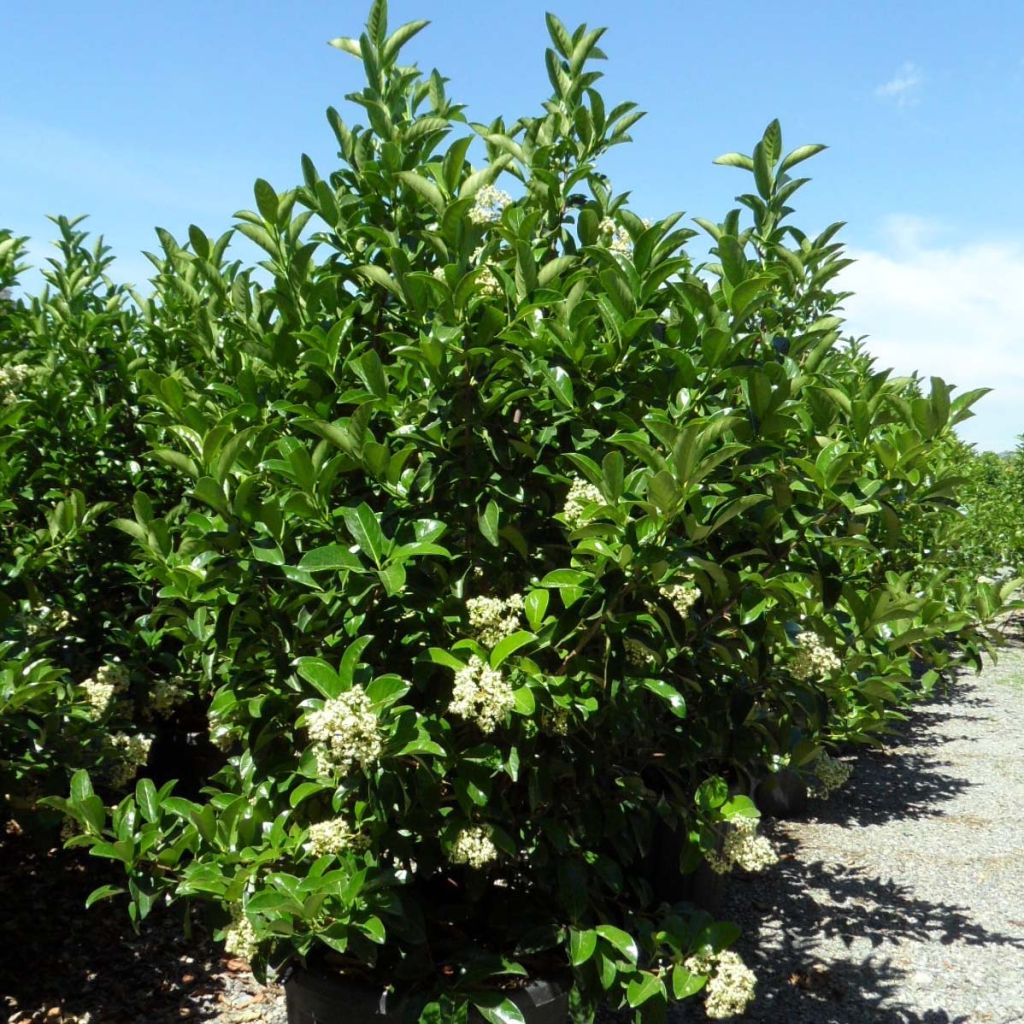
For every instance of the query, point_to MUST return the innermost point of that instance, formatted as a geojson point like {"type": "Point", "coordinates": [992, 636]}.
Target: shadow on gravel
{"type": "Point", "coordinates": [64, 963]}
{"type": "Point", "coordinates": [789, 912]}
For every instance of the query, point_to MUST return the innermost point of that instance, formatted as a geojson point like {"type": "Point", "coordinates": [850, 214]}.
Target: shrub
{"type": "Point", "coordinates": [510, 539]}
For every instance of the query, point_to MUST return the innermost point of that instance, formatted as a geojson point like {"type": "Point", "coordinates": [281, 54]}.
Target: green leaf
{"type": "Point", "coordinates": [104, 892]}
{"type": "Point", "coordinates": [535, 606]}
{"type": "Point", "coordinates": [329, 557]}
{"type": "Point", "coordinates": [504, 1012]}
{"type": "Point", "coordinates": [799, 154]}
{"type": "Point", "coordinates": [385, 690]}
{"type": "Point", "coordinates": [509, 645]}
{"type": "Point", "coordinates": [321, 674]}
{"type": "Point", "coordinates": [684, 983]}
{"type": "Point", "coordinates": [442, 657]}
{"type": "Point", "coordinates": [424, 188]}
{"type": "Point", "coordinates": [365, 529]}
{"type": "Point", "coordinates": [146, 798]}
{"type": "Point", "coordinates": [489, 520]}
{"type": "Point", "coordinates": [566, 578]}
{"type": "Point", "coordinates": [378, 275]}
{"type": "Point", "coordinates": [582, 945]}
{"type": "Point", "coordinates": [669, 694]}
{"type": "Point", "coordinates": [266, 200]}
{"type": "Point", "coordinates": [525, 702]}
{"type": "Point", "coordinates": [622, 941]}
{"type": "Point", "coordinates": [644, 986]}
{"type": "Point", "coordinates": [735, 160]}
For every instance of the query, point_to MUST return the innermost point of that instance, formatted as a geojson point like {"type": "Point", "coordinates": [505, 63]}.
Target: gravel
{"type": "Point", "coordinates": [901, 899]}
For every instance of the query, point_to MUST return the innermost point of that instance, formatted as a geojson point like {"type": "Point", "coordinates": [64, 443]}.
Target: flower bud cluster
{"type": "Point", "coordinates": [473, 847]}
{"type": "Point", "coordinates": [743, 847]}
{"type": "Point", "coordinates": [167, 694]}
{"type": "Point", "coordinates": [731, 983]}
{"type": "Point", "coordinates": [556, 721]}
{"type": "Point", "coordinates": [683, 596]}
{"type": "Point", "coordinates": [814, 660]}
{"type": "Point", "coordinates": [130, 752]}
{"type": "Point", "coordinates": [240, 938]}
{"type": "Point", "coordinates": [12, 379]}
{"type": "Point", "coordinates": [345, 732]}
{"type": "Point", "coordinates": [832, 774]}
{"type": "Point", "coordinates": [492, 619]}
{"type": "Point", "coordinates": [578, 502]}
{"type": "Point", "coordinates": [488, 205]}
{"type": "Point", "coordinates": [637, 654]}
{"type": "Point", "coordinates": [482, 695]}
{"type": "Point", "coordinates": [619, 241]}
{"type": "Point", "coordinates": [333, 836]}
{"type": "Point", "coordinates": [101, 688]}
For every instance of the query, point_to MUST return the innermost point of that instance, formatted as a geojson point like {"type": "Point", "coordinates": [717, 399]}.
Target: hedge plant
{"type": "Point", "coordinates": [510, 541]}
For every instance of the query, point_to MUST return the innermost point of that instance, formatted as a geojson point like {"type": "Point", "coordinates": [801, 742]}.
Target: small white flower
{"type": "Point", "coordinates": [481, 694]}
{"type": "Point", "coordinates": [130, 752]}
{"type": "Point", "coordinates": [579, 502]}
{"type": "Point", "coordinates": [814, 660]}
{"type": "Point", "coordinates": [683, 596]}
{"type": "Point", "coordinates": [332, 836]}
{"type": "Point", "coordinates": [618, 240]}
{"type": "Point", "coordinates": [832, 774]}
{"type": "Point", "coordinates": [493, 619]}
{"type": "Point", "coordinates": [473, 847]}
{"type": "Point", "coordinates": [744, 848]}
{"type": "Point", "coordinates": [730, 990]}
{"type": "Point", "coordinates": [345, 732]}
{"type": "Point", "coordinates": [240, 938]}
{"type": "Point", "coordinates": [489, 203]}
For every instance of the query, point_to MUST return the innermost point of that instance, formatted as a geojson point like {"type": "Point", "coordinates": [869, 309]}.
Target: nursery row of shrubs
{"type": "Point", "coordinates": [403, 595]}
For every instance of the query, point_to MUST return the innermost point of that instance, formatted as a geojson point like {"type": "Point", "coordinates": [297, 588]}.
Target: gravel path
{"type": "Point", "coordinates": [902, 898]}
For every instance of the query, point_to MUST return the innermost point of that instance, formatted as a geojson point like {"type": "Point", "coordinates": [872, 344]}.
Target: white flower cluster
{"type": "Point", "coordinates": [487, 281]}
{"type": "Point", "coordinates": [240, 938]}
{"type": "Point", "coordinates": [333, 836]}
{"type": "Point", "coordinates": [578, 501]}
{"type": "Point", "coordinates": [345, 732]}
{"type": "Point", "coordinates": [167, 694]}
{"type": "Point", "coordinates": [832, 774]}
{"type": "Point", "coordinates": [742, 846]}
{"type": "Point", "coordinates": [474, 847]}
{"type": "Point", "coordinates": [493, 619]}
{"type": "Point", "coordinates": [619, 241]}
{"type": "Point", "coordinates": [731, 983]}
{"type": "Point", "coordinates": [814, 660]}
{"type": "Point", "coordinates": [12, 379]}
{"type": "Point", "coordinates": [682, 595]}
{"type": "Point", "coordinates": [131, 751]}
{"type": "Point", "coordinates": [489, 203]}
{"type": "Point", "coordinates": [481, 694]}
{"type": "Point", "coordinates": [101, 688]}
{"type": "Point", "coordinates": [637, 654]}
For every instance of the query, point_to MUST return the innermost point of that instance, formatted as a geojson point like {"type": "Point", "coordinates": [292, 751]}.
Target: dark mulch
{"type": "Point", "coordinates": [63, 964]}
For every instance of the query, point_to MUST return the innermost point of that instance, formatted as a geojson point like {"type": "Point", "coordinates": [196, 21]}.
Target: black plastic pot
{"type": "Point", "coordinates": [783, 794]}
{"type": "Point", "coordinates": [314, 998]}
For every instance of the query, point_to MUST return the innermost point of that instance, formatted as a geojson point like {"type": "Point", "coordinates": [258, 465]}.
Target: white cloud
{"type": "Point", "coordinates": [947, 311]}
{"type": "Point", "coordinates": [904, 87]}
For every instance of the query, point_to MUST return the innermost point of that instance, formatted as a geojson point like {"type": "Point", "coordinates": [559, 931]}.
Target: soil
{"type": "Point", "coordinates": [63, 964]}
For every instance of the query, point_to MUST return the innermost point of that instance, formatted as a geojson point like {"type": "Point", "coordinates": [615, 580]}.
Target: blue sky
{"type": "Point", "coordinates": [142, 114]}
